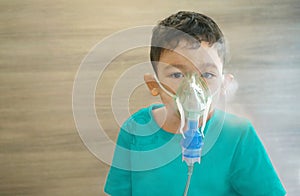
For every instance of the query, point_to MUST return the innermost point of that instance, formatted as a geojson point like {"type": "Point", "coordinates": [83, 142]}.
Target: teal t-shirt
{"type": "Point", "coordinates": [147, 160]}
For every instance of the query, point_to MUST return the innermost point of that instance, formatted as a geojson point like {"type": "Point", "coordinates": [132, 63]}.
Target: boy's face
{"type": "Point", "coordinates": [174, 65]}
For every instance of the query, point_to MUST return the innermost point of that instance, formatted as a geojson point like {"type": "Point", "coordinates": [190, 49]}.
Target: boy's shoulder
{"type": "Point", "coordinates": [143, 115]}
{"type": "Point", "coordinates": [227, 131]}
{"type": "Point", "coordinates": [142, 119]}
{"type": "Point", "coordinates": [235, 121]}
{"type": "Point", "coordinates": [237, 128]}
{"type": "Point", "coordinates": [231, 124]}
{"type": "Point", "coordinates": [230, 119]}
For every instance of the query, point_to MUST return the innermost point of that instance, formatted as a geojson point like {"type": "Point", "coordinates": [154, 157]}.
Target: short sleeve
{"type": "Point", "coordinates": [252, 170]}
{"type": "Point", "coordinates": [118, 181]}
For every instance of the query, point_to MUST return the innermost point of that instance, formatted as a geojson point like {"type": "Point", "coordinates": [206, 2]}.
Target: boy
{"type": "Point", "coordinates": [148, 160]}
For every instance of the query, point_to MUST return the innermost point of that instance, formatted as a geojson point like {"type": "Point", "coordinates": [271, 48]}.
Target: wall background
{"type": "Point", "coordinates": [43, 42]}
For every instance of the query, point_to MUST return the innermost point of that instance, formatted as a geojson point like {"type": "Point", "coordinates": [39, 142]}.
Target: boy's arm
{"type": "Point", "coordinates": [252, 170]}
{"type": "Point", "coordinates": [118, 181]}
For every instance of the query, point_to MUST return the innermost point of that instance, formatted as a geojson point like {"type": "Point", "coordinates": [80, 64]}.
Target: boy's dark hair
{"type": "Point", "coordinates": [189, 26]}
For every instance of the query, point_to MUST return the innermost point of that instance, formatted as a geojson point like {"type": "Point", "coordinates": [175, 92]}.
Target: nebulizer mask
{"type": "Point", "coordinates": [193, 100]}
{"type": "Point", "coordinates": [193, 103]}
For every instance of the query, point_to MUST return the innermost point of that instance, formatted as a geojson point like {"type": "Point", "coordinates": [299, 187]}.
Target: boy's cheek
{"type": "Point", "coordinates": [214, 85]}
{"type": "Point", "coordinates": [165, 98]}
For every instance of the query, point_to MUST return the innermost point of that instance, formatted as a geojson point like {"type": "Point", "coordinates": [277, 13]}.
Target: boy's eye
{"type": "Point", "coordinates": [207, 75]}
{"type": "Point", "coordinates": [176, 75]}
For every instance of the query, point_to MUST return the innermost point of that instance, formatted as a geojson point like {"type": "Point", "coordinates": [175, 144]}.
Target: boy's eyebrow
{"type": "Point", "coordinates": [178, 66]}
{"type": "Point", "coordinates": [209, 65]}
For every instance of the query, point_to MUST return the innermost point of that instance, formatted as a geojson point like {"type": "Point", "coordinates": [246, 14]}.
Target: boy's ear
{"type": "Point", "coordinates": [152, 84]}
